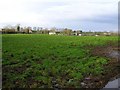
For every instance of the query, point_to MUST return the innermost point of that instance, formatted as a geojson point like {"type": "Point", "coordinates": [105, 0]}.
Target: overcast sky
{"type": "Point", "coordinates": [94, 15]}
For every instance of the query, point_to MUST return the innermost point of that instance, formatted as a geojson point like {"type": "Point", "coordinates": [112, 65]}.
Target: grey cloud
{"type": "Point", "coordinates": [98, 23]}
{"type": "Point", "coordinates": [38, 7]}
{"type": "Point", "coordinates": [104, 19]}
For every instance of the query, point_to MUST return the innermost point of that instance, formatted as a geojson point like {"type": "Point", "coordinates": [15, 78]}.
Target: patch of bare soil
{"type": "Point", "coordinates": [111, 70]}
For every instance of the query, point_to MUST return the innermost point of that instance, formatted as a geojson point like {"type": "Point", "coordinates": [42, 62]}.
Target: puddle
{"type": "Point", "coordinates": [114, 54]}
{"type": "Point", "coordinates": [113, 84]}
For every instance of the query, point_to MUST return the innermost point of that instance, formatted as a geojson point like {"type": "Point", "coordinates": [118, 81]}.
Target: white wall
{"type": "Point", "coordinates": [52, 33]}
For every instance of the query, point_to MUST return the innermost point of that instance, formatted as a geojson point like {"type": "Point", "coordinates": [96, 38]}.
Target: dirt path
{"type": "Point", "coordinates": [111, 70]}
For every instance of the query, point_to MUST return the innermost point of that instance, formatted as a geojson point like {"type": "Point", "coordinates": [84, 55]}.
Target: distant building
{"type": "Point", "coordinates": [96, 35]}
{"type": "Point", "coordinates": [105, 33]}
{"type": "Point", "coordinates": [58, 33]}
{"type": "Point", "coordinates": [52, 33]}
{"type": "Point", "coordinates": [30, 31]}
{"type": "Point", "coordinates": [74, 32]}
{"type": "Point", "coordinates": [79, 34]}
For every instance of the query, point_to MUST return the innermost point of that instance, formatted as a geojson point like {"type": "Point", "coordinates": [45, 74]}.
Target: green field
{"type": "Point", "coordinates": [34, 60]}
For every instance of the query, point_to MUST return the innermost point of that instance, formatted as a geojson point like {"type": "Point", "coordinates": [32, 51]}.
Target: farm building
{"type": "Point", "coordinates": [74, 32]}
{"type": "Point", "coordinates": [77, 33]}
{"type": "Point", "coordinates": [52, 33]}
{"type": "Point", "coordinates": [96, 35]}
{"type": "Point", "coordinates": [59, 33]}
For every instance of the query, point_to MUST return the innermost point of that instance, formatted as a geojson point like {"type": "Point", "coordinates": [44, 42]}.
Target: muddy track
{"type": "Point", "coordinates": [111, 69]}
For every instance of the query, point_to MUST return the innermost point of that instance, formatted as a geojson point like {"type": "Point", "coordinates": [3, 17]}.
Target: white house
{"type": "Point", "coordinates": [105, 33]}
{"type": "Point", "coordinates": [79, 34]}
{"type": "Point", "coordinates": [30, 31]}
{"type": "Point", "coordinates": [96, 35]}
{"type": "Point", "coordinates": [52, 33]}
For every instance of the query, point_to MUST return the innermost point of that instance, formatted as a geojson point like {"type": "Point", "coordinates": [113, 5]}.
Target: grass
{"type": "Point", "coordinates": [34, 60]}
